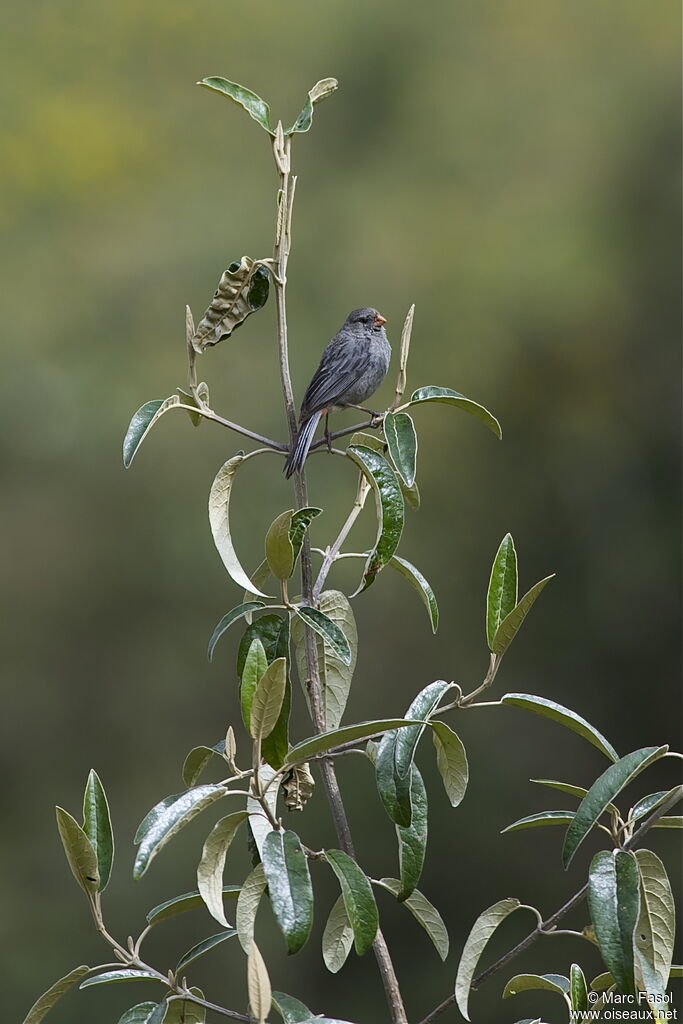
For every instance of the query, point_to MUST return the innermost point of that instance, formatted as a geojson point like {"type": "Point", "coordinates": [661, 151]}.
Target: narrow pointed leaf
{"type": "Point", "coordinates": [142, 422]}
{"type": "Point", "coordinates": [44, 1003]}
{"type": "Point", "coordinates": [197, 760]}
{"type": "Point", "coordinates": [125, 974]}
{"type": "Point", "coordinates": [655, 929]}
{"type": "Point", "coordinates": [647, 804]}
{"type": "Point", "coordinates": [394, 789]}
{"type": "Point", "coordinates": [255, 667]}
{"type": "Point", "coordinates": [358, 897]}
{"type": "Point", "coordinates": [289, 886]}
{"type": "Point", "coordinates": [328, 630]}
{"type": "Point", "coordinates": [335, 675]}
{"type": "Point", "coordinates": [187, 901]}
{"type": "Point", "coordinates": [614, 902]}
{"type": "Point", "coordinates": [203, 947]}
{"type": "Point", "coordinates": [243, 288]}
{"type": "Point", "coordinates": [259, 578]}
{"type": "Point", "coordinates": [562, 715]}
{"type": "Point", "coordinates": [212, 863]}
{"type": "Point", "coordinates": [267, 701]}
{"type": "Point", "coordinates": [80, 852]}
{"type": "Point", "coordinates": [143, 1013]}
{"type": "Point", "coordinates": [510, 625]}
{"type": "Point", "coordinates": [320, 91]}
{"type": "Point", "coordinates": [412, 841]}
{"type": "Point", "coordinates": [151, 816]}
{"type": "Point", "coordinates": [424, 912]}
{"type": "Point", "coordinates": [431, 393]}
{"type": "Point", "coordinates": [502, 592]}
{"type": "Point", "coordinates": [301, 520]}
{"type": "Point", "coordinates": [390, 509]}
{"type": "Point", "coordinates": [419, 584]}
{"type": "Point", "coordinates": [219, 518]}
{"type": "Point", "coordinates": [566, 787]}
{"type": "Point", "coordinates": [248, 901]}
{"type": "Point", "coordinates": [258, 822]}
{"type": "Point", "coordinates": [399, 431]}
{"type": "Point", "coordinates": [170, 820]}
{"type": "Point", "coordinates": [97, 826]}
{"type": "Point", "coordinates": [451, 760]}
{"type": "Point", "coordinates": [483, 929]}
{"type": "Point", "coordinates": [540, 819]}
{"type": "Point", "coordinates": [258, 985]}
{"type": "Point", "coordinates": [337, 938]}
{"type": "Point", "coordinates": [232, 616]}
{"type": "Point", "coordinates": [245, 98]}
{"type": "Point", "coordinates": [308, 748]}
{"type": "Point", "coordinates": [602, 792]}
{"type": "Point", "coordinates": [577, 989]}
{"type": "Point", "coordinates": [669, 821]}
{"type": "Point", "coordinates": [421, 708]}
{"type": "Point", "coordinates": [275, 746]}
{"type": "Point", "coordinates": [533, 982]}
{"type": "Point", "coordinates": [279, 547]}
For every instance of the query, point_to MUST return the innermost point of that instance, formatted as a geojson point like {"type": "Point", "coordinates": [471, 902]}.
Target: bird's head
{"type": "Point", "coordinates": [367, 317]}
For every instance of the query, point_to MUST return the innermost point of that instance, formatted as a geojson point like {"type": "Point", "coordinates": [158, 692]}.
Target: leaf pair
{"type": "Point", "coordinates": [284, 539]}
{"type": "Point", "coordinates": [89, 848]}
{"type": "Point", "coordinates": [504, 613]}
{"type": "Point", "coordinates": [265, 689]}
{"type": "Point", "coordinates": [259, 110]}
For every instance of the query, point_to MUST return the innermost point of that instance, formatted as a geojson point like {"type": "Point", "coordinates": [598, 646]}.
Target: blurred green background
{"type": "Point", "coordinates": [512, 168]}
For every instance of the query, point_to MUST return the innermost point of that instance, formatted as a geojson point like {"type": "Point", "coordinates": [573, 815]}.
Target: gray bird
{"type": "Point", "coordinates": [352, 367]}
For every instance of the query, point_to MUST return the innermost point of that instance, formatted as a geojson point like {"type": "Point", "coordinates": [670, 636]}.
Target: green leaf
{"type": "Point", "coordinates": [335, 675]}
{"type": "Point", "coordinates": [289, 886]}
{"type": "Point", "coordinates": [273, 632]}
{"type": "Point", "coordinates": [483, 929]}
{"type": "Point", "coordinates": [577, 989]}
{"type": "Point", "coordinates": [292, 1010]}
{"type": "Point", "coordinates": [337, 938]}
{"type": "Point", "coordinates": [255, 667]}
{"type": "Point", "coordinates": [44, 1003]}
{"type": "Point", "coordinates": [180, 1010]}
{"type": "Point", "coordinates": [399, 431]}
{"type": "Point", "coordinates": [669, 821]}
{"type": "Point", "coordinates": [394, 789]}
{"type": "Point", "coordinates": [509, 627]}
{"type": "Point", "coordinates": [203, 947]}
{"type": "Point", "coordinates": [248, 901]}
{"type": "Point", "coordinates": [424, 912]}
{"type": "Point", "coordinates": [653, 945]}
{"type": "Point", "coordinates": [107, 977]}
{"type": "Point", "coordinates": [219, 518]}
{"type": "Point", "coordinates": [142, 422]}
{"type": "Point", "coordinates": [390, 509]}
{"type": "Point", "coordinates": [279, 548]}
{"type": "Point", "coordinates": [451, 760]}
{"type": "Point", "coordinates": [542, 818]}
{"type": "Point", "coordinates": [187, 901]}
{"type": "Point", "coordinates": [566, 787]}
{"type": "Point", "coordinates": [275, 746]}
{"type": "Point", "coordinates": [80, 852]}
{"type": "Point", "coordinates": [152, 815]}
{"type": "Point", "coordinates": [421, 708]}
{"type": "Point", "coordinates": [602, 981]}
{"type": "Point", "coordinates": [301, 520]}
{"type": "Point", "coordinates": [168, 819]}
{"type": "Point", "coordinates": [412, 841]}
{"type": "Point", "coordinates": [258, 822]}
{"type": "Point", "coordinates": [358, 897]}
{"type": "Point", "coordinates": [502, 592]}
{"type": "Point", "coordinates": [532, 982]}
{"type": "Point", "coordinates": [267, 701]}
{"type": "Point", "coordinates": [232, 616]}
{"type": "Point", "coordinates": [259, 578]}
{"type": "Point", "coordinates": [197, 760]}
{"type": "Point", "coordinates": [328, 630]}
{"type": "Point", "coordinates": [188, 399]}
{"type": "Point", "coordinates": [212, 863]}
{"type": "Point", "coordinates": [431, 393]}
{"type": "Point", "coordinates": [242, 289]}
{"type": "Point", "coordinates": [562, 715]}
{"type": "Point", "coordinates": [602, 792]}
{"type": "Point", "coordinates": [253, 104]}
{"type": "Point", "coordinates": [643, 807]}
{"type": "Point", "coordinates": [320, 91]}
{"type": "Point", "coordinates": [97, 826]}
{"type": "Point", "coordinates": [308, 748]}
{"type": "Point", "coordinates": [258, 985]}
{"type": "Point", "coordinates": [143, 1013]}
{"type": "Point", "coordinates": [614, 901]}
{"type": "Point", "coordinates": [420, 584]}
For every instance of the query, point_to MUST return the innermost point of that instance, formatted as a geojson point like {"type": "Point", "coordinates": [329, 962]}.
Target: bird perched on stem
{"type": "Point", "coordinates": [352, 367]}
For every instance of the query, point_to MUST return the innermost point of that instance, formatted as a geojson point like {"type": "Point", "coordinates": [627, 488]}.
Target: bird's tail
{"type": "Point", "coordinates": [298, 454]}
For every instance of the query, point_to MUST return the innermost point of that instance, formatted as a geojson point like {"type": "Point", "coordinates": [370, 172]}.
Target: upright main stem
{"type": "Point", "coordinates": [282, 150]}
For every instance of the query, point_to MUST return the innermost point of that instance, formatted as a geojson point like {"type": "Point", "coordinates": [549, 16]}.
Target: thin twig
{"type": "Point", "coordinates": [370, 424]}
{"type": "Point", "coordinates": [328, 561]}
{"type": "Point", "coordinates": [209, 414]}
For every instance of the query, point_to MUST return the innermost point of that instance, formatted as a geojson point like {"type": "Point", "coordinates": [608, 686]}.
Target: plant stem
{"type": "Point", "coordinates": [548, 926]}
{"type": "Point", "coordinates": [282, 154]}
{"type": "Point", "coordinates": [328, 561]}
{"type": "Point", "coordinates": [209, 414]}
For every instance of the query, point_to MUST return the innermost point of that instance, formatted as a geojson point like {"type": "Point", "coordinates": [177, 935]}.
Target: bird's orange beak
{"type": "Point", "coordinates": [379, 319]}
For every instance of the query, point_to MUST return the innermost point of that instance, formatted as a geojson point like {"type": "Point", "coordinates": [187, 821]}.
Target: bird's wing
{"type": "Point", "coordinates": [339, 370]}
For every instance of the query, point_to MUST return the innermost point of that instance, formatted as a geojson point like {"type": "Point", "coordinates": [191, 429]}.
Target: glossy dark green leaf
{"type": "Point", "coordinates": [80, 852]}
{"type": "Point", "coordinates": [212, 863]}
{"type": "Point", "coordinates": [152, 816]}
{"type": "Point", "coordinates": [289, 886]}
{"type": "Point", "coordinates": [412, 841]}
{"type": "Point", "coordinates": [562, 715]}
{"type": "Point", "coordinates": [335, 675]}
{"type": "Point", "coordinates": [197, 760]}
{"type": "Point", "coordinates": [643, 807]}
{"type": "Point", "coordinates": [482, 930]}
{"type": "Point", "coordinates": [301, 520]}
{"type": "Point", "coordinates": [144, 1013]}
{"type": "Point", "coordinates": [424, 912]}
{"type": "Point", "coordinates": [540, 819]}
{"type": "Point", "coordinates": [420, 584]}
{"type": "Point", "coordinates": [44, 1003]}
{"type": "Point", "coordinates": [346, 734]}
{"type": "Point", "coordinates": [359, 899]}
{"type": "Point", "coordinates": [203, 947]}
{"type": "Point", "coordinates": [186, 901]}
{"type": "Point", "coordinates": [170, 819]}
{"type": "Point", "coordinates": [142, 422]}
{"type": "Point", "coordinates": [602, 792]}
{"type": "Point", "coordinates": [512, 622]}
{"type": "Point", "coordinates": [390, 509]}
{"type": "Point", "coordinates": [292, 1010]}
{"type": "Point", "coordinates": [394, 789]}
{"type": "Point", "coordinates": [535, 982]}
{"type": "Point", "coordinates": [328, 630]}
{"type": "Point", "coordinates": [614, 902]}
{"type": "Point", "coordinates": [232, 616]}
{"type": "Point", "coordinates": [502, 592]}
{"type": "Point", "coordinates": [577, 989]}
{"type": "Point", "coordinates": [97, 826]}
{"type": "Point", "coordinates": [320, 91]}
{"type": "Point", "coordinates": [399, 431]}
{"type": "Point", "coordinates": [124, 974]}
{"type": "Point", "coordinates": [245, 98]}
{"type": "Point", "coordinates": [219, 518]}
{"type": "Point", "coordinates": [451, 760]}
{"type": "Point", "coordinates": [267, 701]}
{"type": "Point", "coordinates": [450, 397]}
{"type": "Point", "coordinates": [337, 938]}
{"type": "Point", "coordinates": [653, 941]}
{"type": "Point", "coordinates": [421, 708]}
{"type": "Point", "coordinates": [273, 632]}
